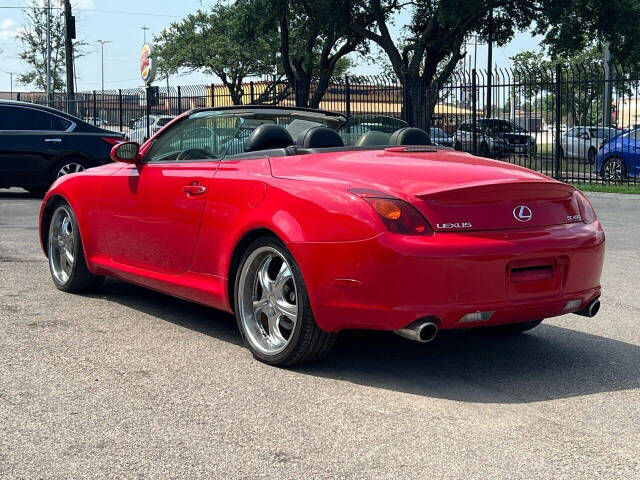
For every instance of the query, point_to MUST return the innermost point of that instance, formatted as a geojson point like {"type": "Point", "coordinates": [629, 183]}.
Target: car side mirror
{"type": "Point", "coordinates": [127, 152]}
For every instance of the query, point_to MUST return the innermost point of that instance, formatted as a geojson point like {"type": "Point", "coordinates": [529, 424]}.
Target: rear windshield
{"type": "Point", "coordinates": [602, 132]}
{"type": "Point", "coordinates": [163, 121]}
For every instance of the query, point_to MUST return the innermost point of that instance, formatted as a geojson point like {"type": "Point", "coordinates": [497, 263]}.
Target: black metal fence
{"type": "Point", "coordinates": [574, 123]}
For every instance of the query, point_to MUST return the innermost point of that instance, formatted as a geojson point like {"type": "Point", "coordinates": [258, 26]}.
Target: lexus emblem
{"type": "Point", "coordinates": [522, 213]}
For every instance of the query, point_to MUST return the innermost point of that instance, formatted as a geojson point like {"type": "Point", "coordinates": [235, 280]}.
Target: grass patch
{"type": "Point", "coordinates": [608, 188]}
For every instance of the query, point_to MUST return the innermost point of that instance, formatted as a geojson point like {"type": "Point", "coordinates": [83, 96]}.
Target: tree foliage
{"type": "Point", "coordinates": [425, 58]}
{"type": "Point", "coordinates": [315, 39]}
{"type": "Point", "coordinates": [228, 41]}
{"type": "Point", "coordinates": [34, 48]}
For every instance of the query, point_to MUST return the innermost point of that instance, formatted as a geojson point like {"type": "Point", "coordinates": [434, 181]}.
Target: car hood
{"type": "Point", "coordinates": [454, 190]}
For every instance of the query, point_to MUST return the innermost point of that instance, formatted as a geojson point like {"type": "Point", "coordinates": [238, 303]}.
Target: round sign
{"type": "Point", "coordinates": [147, 64]}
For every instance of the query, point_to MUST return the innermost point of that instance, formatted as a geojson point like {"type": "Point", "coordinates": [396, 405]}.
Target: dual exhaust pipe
{"type": "Point", "coordinates": [420, 331]}
{"type": "Point", "coordinates": [425, 330]}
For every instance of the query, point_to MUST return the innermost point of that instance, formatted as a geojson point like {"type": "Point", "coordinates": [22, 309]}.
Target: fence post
{"type": "Point", "coordinates": [558, 135]}
{"type": "Point", "coordinates": [347, 95]}
{"type": "Point", "coordinates": [179, 100]}
{"type": "Point", "coordinates": [120, 108]}
{"type": "Point", "coordinates": [148, 110]}
{"type": "Point", "coordinates": [95, 108]}
{"type": "Point", "coordinates": [405, 99]}
{"type": "Point", "coordinates": [474, 110]}
{"type": "Point", "coordinates": [18, 96]}
{"type": "Point", "coordinates": [213, 99]}
{"type": "Point", "coordinates": [253, 98]}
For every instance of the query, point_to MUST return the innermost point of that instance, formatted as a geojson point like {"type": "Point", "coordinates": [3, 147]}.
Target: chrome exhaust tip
{"type": "Point", "coordinates": [590, 310]}
{"type": "Point", "coordinates": [422, 331]}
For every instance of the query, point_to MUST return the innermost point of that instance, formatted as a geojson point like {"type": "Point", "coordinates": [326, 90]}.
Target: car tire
{"type": "Point", "coordinates": [67, 262]}
{"type": "Point", "coordinates": [512, 328]}
{"type": "Point", "coordinates": [483, 151]}
{"type": "Point", "coordinates": [36, 191]}
{"type": "Point", "coordinates": [272, 307]}
{"type": "Point", "coordinates": [591, 156]}
{"type": "Point", "coordinates": [613, 170]}
{"type": "Point", "coordinates": [65, 166]}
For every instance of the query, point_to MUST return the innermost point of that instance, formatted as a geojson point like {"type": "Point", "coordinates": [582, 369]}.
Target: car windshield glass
{"type": "Point", "coordinates": [500, 126]}
{"type": "Point", "coordinates": [602, 132]}
{"type": "Point", "coordinates": [633, 135]}
{"type": "Point", "coordinates": [437, 132]}
{"type": "Point", "coordinates": [218, 133]}
{"type": "Point", "coordinates": [163, 121]}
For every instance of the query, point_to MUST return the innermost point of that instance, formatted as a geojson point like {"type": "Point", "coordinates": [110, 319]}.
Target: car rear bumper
{"type": "Point", "coordinates": [389, 281]}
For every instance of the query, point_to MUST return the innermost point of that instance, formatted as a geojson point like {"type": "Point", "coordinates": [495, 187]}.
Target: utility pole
{"type": "Point", "coordinates": [48, 89]}
{"type": "Point", "coordinates": [144, 29]}
{"type": "Point", "coordinates": [102, 42]}
{"type": "Point", "coordinates": [69, 36]}
{"type": "Point", "coordinates": [489, 62]}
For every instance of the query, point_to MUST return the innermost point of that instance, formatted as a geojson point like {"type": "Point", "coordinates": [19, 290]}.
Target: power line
{"type": "Point", "coordinates": [93, 10]}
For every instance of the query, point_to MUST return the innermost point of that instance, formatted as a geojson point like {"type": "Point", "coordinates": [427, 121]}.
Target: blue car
{"type": "Point", "coordinates": [619, 157]}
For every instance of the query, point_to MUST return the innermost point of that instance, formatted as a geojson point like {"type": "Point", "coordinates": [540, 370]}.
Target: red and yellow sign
{"type": "Point", "coordinates": [147, 67]}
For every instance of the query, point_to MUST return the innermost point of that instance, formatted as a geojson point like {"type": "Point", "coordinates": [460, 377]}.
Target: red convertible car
{"type": "Point", "coordinates": [263, 212]}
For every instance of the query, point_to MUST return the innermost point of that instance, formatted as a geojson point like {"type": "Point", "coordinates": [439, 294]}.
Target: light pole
{"type": "Point", "coordinates": [144, 29]}
{"type": "Point", "coordinates": [48, 7]}
{"type": "Point", "coordinates": [102, 42]}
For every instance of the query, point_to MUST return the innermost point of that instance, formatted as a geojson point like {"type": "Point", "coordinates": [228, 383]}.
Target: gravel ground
{"type": "Point", "coordinates": [128, 383]}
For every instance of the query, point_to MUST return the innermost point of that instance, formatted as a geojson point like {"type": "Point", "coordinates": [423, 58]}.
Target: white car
{"type": "Point", "coordinates": [138, 132]}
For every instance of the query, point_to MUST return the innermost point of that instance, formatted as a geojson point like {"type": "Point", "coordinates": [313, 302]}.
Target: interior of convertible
{"type": "Point", "coordinates": [255, 131]}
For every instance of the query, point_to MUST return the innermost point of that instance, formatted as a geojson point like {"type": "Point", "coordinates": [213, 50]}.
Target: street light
{"type": "Point", "coordinates": [102, 42]}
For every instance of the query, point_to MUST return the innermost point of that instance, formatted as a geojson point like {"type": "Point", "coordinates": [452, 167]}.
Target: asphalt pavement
{"type": "Point", "coordinates": [129, 383]}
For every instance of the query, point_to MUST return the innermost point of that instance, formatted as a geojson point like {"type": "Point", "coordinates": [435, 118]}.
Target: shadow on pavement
{"type": "Point", "coordinates": [547, 363]}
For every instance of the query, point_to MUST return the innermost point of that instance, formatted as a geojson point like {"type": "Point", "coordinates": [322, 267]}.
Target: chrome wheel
{"type": "Point", "coordinates": [68, 168]}
{"type": "Point", "coordinates": [267, 300]}
{"type": "Point", "coordinates": [613, 170]}
{"type": "Point", "coordinates": [61, 245]}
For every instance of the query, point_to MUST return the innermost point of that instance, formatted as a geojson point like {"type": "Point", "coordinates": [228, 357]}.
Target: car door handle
{"type": "Point", "coordinates": [53, 140]}
{"type": "Point", "coordinates": [194, 189]}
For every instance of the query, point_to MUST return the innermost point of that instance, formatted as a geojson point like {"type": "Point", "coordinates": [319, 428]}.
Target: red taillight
{"type": "Point", "coordinates": [587, 212]}
{"type": "Point", "coordinates": [112, 140]}
{"type": "Point", "coordinates": [397, 215]}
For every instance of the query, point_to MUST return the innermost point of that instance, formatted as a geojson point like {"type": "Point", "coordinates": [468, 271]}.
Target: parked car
{"type": "Point", "coordinates": [440, 137]}
{"type": "Point", "coordinates": [96, 121]}
{"type": "Point", "coordinates": [138, 132]}
{"type": "Point", "coordinates": [583, 143]}
{"type": "Point", "coordinates": [495, 138]}
{"type": "Point", "coordinates": [619, 157]}
{"type": "Point", "coordinates": [39, 144]}
{"type": "Point", "coordinates": [301, 238]}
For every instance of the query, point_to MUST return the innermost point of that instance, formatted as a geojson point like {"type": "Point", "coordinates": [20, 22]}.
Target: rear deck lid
{"type": "Point", "coordinates": [500, 206]}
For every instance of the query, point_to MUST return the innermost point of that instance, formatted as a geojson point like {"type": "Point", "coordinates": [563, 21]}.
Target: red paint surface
{"type": "Point", "coordinates": [138, 223]}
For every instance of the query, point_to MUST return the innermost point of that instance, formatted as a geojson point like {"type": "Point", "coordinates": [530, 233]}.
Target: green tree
{"type": "Point", "coordinates": [315, 39]}
{"type": "Point", "coordinates": [424, 59]}
{"type": "Point", "coordinates": [228, 41]}
{"type": "Point", "coordinates": [34, 47]}
{"type": "Point", "coordinates": [582, 83]}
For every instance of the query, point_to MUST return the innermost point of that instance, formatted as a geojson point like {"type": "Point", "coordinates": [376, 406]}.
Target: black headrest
{"type": "Point", "coordinates": [409, 136]}
{"type": "Point", "coordinates": [319, 137]}
{"type": "Point", "coordinates": [268, 136]}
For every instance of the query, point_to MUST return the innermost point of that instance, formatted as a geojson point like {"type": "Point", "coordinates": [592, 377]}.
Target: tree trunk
{"type": "Point", "coordinates": [301, 87]}
{"type": "Point", "coordinates": [418, 109]}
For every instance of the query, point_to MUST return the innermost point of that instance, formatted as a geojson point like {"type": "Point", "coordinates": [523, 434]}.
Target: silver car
{"type": "Point", "coordinates": [583, 143]}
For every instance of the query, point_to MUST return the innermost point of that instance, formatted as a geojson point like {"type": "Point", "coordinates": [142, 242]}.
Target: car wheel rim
{"type": "Point", "coordinates": [61, 246]}
{"type": "Point", "coordinates": [267, 300]}
{"type": "Point", "coordinates": [70, 168]}
{"type": "Point", "coordinates": [613, 170]}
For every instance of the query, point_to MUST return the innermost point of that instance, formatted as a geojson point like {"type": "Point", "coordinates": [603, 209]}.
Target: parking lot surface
{"type": "Point", "coordinates": [129, 383]}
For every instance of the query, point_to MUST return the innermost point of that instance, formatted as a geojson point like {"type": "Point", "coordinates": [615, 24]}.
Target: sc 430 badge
{"type": "Point", "coordinates": [453, 226]}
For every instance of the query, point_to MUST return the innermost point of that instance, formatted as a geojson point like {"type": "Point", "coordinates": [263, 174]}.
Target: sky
{"type": "Point", "coordinates": [120, 22]}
